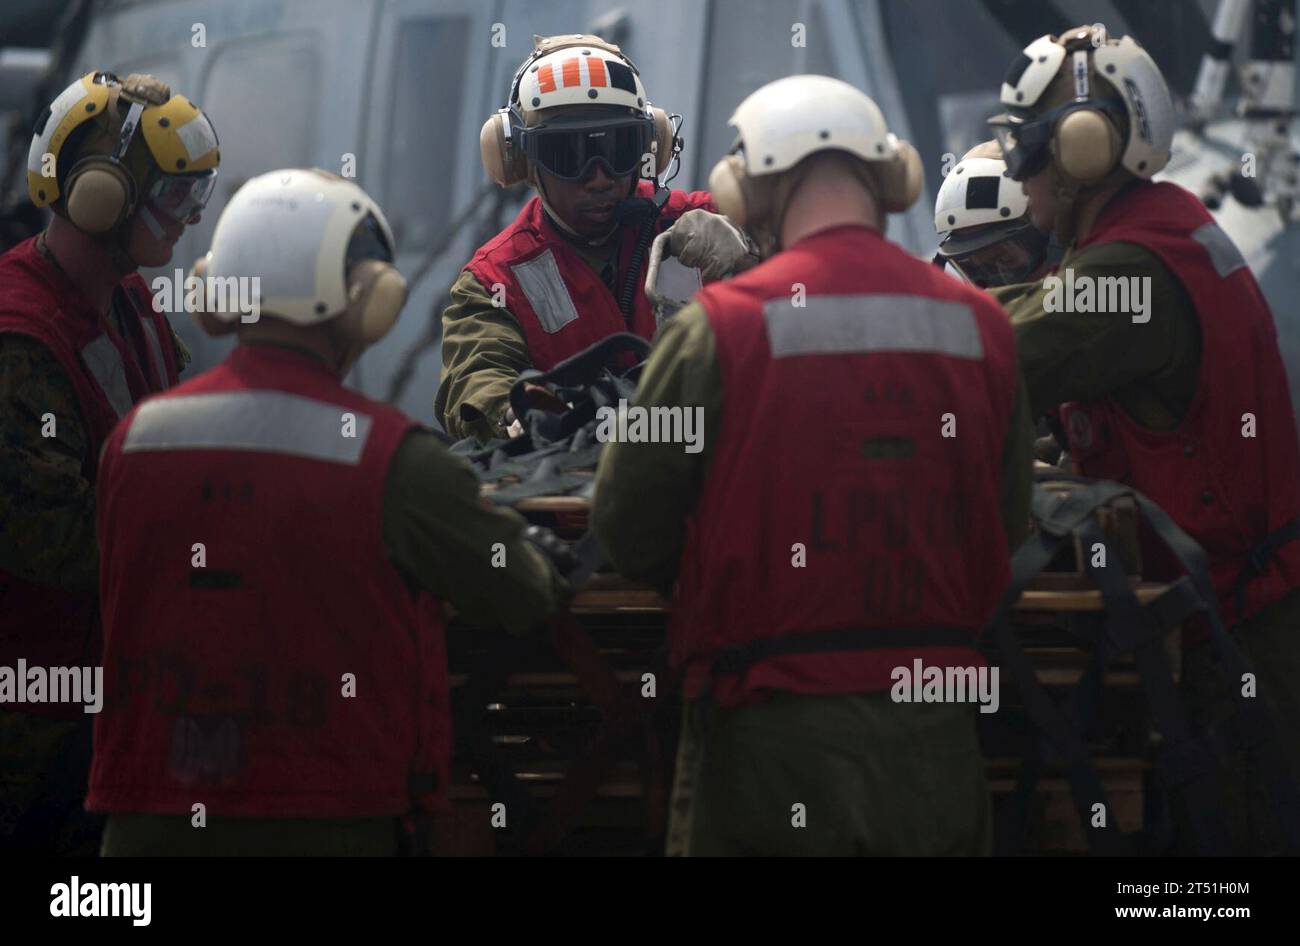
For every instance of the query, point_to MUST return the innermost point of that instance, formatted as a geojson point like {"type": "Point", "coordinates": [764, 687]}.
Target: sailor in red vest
{"type": "Point", "coordinates": [278, 685]}
{"type": "Point", "coordinates": [570, 270]}
{"type": "Point", "coordinates": [1156, 343]}
{"type": "Point", "coordinates": [845, 520]}
{"type": "Point", "coordinates": [125, 166]}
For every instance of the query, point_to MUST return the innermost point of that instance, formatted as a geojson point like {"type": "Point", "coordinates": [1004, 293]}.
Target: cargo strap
{"type": "Point", "coordinates": [1059, 517]}
{"type": "Point", "coordinates": [1257, 561]}
{"type": "Point", "coordinates": [1256, 726]}
{"type": "Point", "coordinates": [623, 716]}
{"type": "Point", "coordinates": [558, 452]}
{"type": "Point", "coordinates": [591, 558]}
{"type": "Point", "coordinates": [582, 370]}
{"type": "Point", "coordinates": [624, 719]}
{"type": "Point", "coordinates": [1186, 761]}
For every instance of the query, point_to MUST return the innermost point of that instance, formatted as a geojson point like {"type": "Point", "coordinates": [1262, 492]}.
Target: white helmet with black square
{"type": "Point", "coordinates": [977, 191]}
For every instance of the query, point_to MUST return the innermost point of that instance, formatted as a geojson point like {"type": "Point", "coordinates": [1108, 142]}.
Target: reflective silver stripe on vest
{"type": "Point", "coordinates": [105, 363]}
{"type": "Point", "coordinates": [1223, 252]}
{"type": "Point", "coordinates": [547, 294]}
{"type": "Point", "coordinates": [151, 333]}
{"type": "Point", "coordinates": [885, 322]}
{"type": "Point", "coordinates": [266, 421]}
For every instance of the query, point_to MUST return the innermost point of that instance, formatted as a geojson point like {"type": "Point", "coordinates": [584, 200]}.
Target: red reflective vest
{"type": "Point", "coordinates": [1227, 490]}
{"type": "Point", "coordinates": [833, 499]}
{"type": "Point", "coordinates": [290, 671]}
{"type": "Point", "coordinates": [559, 301]}
{"type": "Point", "coordinates": [47, 626]}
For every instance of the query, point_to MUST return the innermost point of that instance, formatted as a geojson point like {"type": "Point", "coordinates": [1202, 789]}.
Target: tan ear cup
{"type": "Point", "coordinates": [100, 195]}
{"type": "Point", "coordinates": [506, 166]}
{"type": "Point", "coordinates": [901, 178]}
{"type": "Point", "coordinates": [663, 140]}
{"type": "Point", "coordinates": [212, 326]}
{"type": "Point", "coordinates": [1086, 145]}
{"type": "Point", "coordinates": [376, 294]}
{"type": "Point", "coordinates": [726, 184]}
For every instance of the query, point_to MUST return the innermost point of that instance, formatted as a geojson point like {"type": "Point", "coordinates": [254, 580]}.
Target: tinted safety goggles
{"type": "Point", "coordinates": [568, 151]}
{"type": "Point", "coordinates": [1026, 142]}
{"type": "Point", "coordinates": [996, 255]}
{"type": "Point", "coordinates": [182, 196]}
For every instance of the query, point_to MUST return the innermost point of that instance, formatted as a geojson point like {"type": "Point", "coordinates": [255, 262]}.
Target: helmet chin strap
{"type": "Point", "coordinates": [1066, 195]}
{"type": "Point", "coordinates": [116, 242]}
{"type": "Point", "coordinates": [1071, 197]}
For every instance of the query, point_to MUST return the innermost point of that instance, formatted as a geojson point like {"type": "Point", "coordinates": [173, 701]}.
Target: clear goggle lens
{"type": "Point", "coordinates": [181, 196]}
{"type": "Point", "coordinates": [1006, 262]}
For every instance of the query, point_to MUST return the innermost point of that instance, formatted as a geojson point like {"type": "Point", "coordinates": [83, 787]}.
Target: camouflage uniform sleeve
{"type": "Point", "coordinates": [483, 352]}
{"type": "Point", "coordinates": [440, 534]}
{"type": "Point", "coordinates": [646, 491]}
{"type": "Point", "coordinates": [1150, 366]}
{"type": "Point", "coordinates": [47, 506]}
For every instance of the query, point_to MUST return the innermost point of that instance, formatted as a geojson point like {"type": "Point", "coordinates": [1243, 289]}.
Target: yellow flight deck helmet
{"type": "Point", "coordinates": [107, 147]}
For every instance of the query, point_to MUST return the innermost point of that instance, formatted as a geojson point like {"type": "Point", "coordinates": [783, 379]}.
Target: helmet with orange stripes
{"type": "Point", "coordinates": [575, 101]}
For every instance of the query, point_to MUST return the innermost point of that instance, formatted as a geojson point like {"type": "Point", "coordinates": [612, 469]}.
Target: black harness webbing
{"type": "Point", "coordinates": [577, 370]}
{"type": "Point", "coordinates": [1060, 734]}
{"type": "Point", "coordinates": [1258, 560]}
{"type": "Point", "coordinates": [591, 557]}
{"type": "Point", "coordinates": [1186, 760]}
{"type": "Point", "coordinates": [558, 452]}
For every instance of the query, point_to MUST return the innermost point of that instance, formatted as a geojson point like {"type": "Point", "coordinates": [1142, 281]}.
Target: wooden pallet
{"type": "Point", "coordinates": [535, 720]}
{"type": "Point", "coordinates": [539, 719]}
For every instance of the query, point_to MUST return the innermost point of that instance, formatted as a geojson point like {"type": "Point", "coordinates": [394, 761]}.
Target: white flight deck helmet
{"type": "Point", "coordinates": [575, 100]}
{"type": "Point", "coordinates": [982, 218]}
{"type": "Point", "coordinates": [319, 247]}
{"type": "Point", "coordinates": [787, 120]}
{"type": "Point", "coordinates": [1089, 105]}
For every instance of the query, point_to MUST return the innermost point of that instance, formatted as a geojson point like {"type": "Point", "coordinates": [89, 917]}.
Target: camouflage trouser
{"type": "Point", "coordinates": [44, 765]}
{"type": "Point", "coordinates": [1271, 643]}
{"type": "Point", "coordinates": [830, 775]}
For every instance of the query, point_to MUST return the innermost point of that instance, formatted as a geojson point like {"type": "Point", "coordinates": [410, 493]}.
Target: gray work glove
{"type": "Point", "coordinates": [711, 243]}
